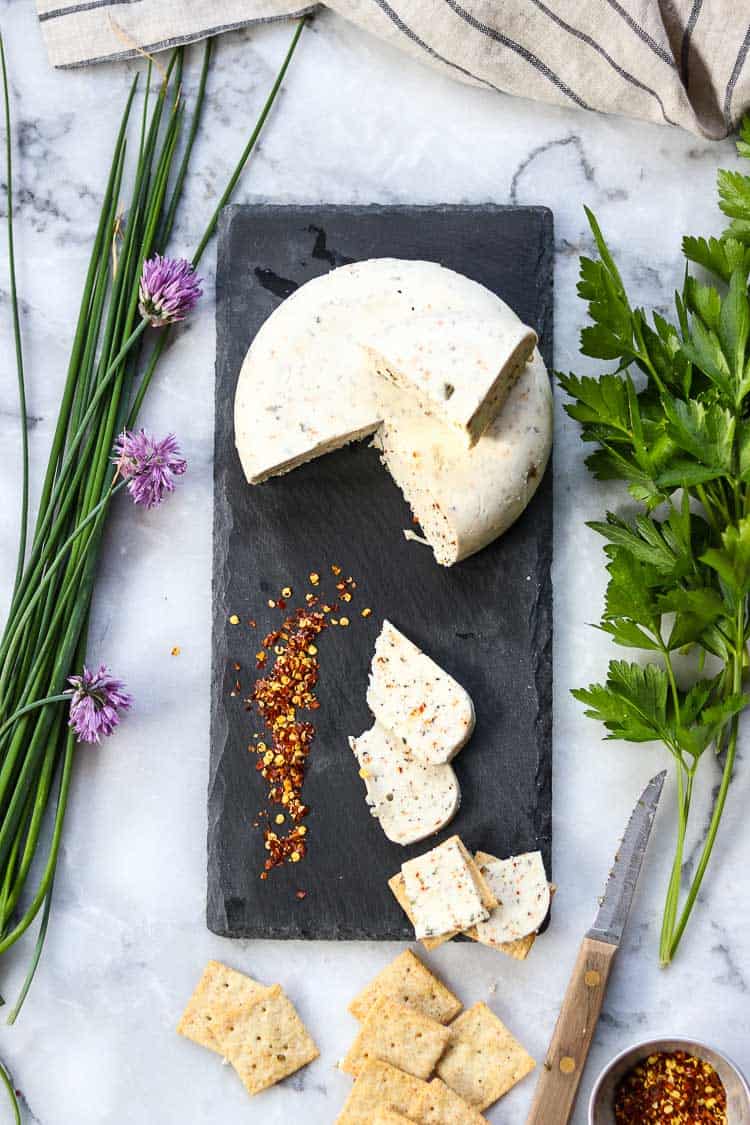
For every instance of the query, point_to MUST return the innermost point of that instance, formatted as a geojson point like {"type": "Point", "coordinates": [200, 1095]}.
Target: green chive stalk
{"type": "Point", "coordinates": [44, 638]}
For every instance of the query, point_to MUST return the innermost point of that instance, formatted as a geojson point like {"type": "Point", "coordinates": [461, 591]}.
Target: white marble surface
{"type": "Point", "coordinates": [95, 1044]}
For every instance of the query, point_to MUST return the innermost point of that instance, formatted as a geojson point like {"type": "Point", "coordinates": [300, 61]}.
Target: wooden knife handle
{"type": "Point", "coordinates": [558, 1083]}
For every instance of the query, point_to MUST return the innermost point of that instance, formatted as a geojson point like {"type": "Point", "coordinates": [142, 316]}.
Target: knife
{"type": "Point", "coordinates": [557, 1088]}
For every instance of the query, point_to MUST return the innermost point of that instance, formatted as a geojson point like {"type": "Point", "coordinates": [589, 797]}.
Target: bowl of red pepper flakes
{"type": "Point", "coordinates": [670, 1082]}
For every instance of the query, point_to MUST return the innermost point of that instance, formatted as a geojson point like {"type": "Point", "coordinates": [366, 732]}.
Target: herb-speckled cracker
{"type": "Point", "coordinates": [390, 1117]}
{"type": "Point", "coordinates": [483, 1060]}
{"type": "Point", "coordinates": [266, 1041]}
{"type": "Point", "coordinates": [378, 1085]}
{"type": "Point", "coordinates": [398, 1035]}
{"type": "Point", "coordinates": [410, 982]}
{"type": "Point", "coordinates": [220, 990]}
{"type": "Point", "coordinates": [439, 1105]}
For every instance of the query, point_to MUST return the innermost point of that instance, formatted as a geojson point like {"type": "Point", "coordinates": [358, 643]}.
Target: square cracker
{"type": "Point", "coordinates": [397, 1035]}
{"type": "Point", "coordinates": [219, 991]}
{"type": "Point", "coordinates": [386, 1116]}
{"type": "Point", "coordinates": [410, 982]}
{"type": "Point", "coordinates": [378, 1085]}
{"type": "Point", "coordinates": [483, 1060]}
{"type": "Point", "coordinates": [439, 1105]}
{"type": "Point", "coordinates": [266, 1041]}
{"type": "Point", "coordinates": [398, 889]}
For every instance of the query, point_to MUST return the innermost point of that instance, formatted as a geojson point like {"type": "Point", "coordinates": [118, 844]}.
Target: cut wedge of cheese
{"type": "Point", "coordinates": [464, 499]}
{"type": "Point", "coordinates": [459, 367]}
{"type": "Point", "coordinates": [422, 705]}
{"type": "Point", "coordinates": [410, 799]}
{"type": "Point", "coordinates": [523, 892]}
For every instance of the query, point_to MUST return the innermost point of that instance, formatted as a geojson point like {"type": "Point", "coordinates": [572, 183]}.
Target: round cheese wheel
{"type": "Point", "coordinates": [431, 362]}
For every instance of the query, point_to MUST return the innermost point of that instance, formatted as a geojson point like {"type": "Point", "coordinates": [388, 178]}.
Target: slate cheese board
{"type": "Point", "coordinates": [488, 620]}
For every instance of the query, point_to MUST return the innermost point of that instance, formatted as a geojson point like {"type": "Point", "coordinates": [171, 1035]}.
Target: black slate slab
{"type": "Point", "coordinates": [488, 620]}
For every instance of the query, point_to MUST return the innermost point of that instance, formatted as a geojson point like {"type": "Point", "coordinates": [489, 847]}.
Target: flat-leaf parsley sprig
{"type": "Point", "coordinates": [673, 422]}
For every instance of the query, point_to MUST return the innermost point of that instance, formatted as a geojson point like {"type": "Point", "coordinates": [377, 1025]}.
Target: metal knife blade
{"type": "Point", "coordinates": [618, 894]}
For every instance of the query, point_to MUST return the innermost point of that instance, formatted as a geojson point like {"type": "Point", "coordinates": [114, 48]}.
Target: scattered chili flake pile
{"type": "Point", "coordinates": [288, 657]}
{"type": "Point", "coordinates": [677, 1088]}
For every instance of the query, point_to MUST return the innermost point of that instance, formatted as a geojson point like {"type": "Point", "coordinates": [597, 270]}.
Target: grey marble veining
{"type": "Point", "coordinates": [357, 122]}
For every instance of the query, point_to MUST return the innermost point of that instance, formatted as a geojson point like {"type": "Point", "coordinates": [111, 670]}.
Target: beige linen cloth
{"type": "Point", "coordinates": [678, 62]}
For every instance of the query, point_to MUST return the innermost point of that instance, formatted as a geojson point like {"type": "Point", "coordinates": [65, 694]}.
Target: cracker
{"type": "Point", "coordinates": [483, 1060]}
{"type": "Point", "coordinates": [266, 1041]}
{"type": "Point", "coordinates": [439, 1105]}
{"type": "Point", "coordinates": [400, 1036]}
{"type": "Point", "coordinates": [378, 1085]}
{"type": "Point", "coordinates": [410, 982]}
{"type": "Point", "coordinates": [390, 1117]}
{"type": "Point", "coordinates": [219, 991]}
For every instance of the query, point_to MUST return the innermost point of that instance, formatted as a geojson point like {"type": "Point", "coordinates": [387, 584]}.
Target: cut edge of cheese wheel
{"type": "Point", "coordinates": [464, 499]}
{"type": "Point", "coordinates": [421, 703]}
{"type": "Point", "coordinates": [411, 800]}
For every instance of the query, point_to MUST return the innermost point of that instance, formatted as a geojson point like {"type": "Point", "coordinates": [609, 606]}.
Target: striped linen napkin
{"type": "Point", "coordinates": [679, 62]}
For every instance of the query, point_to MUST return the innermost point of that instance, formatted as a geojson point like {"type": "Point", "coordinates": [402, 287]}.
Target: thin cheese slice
{"type": "Point", "coordinates": [411, 695]}
{"type": "Point", "coordinates": [443, 894]}
{"type": "Point", "coordinates": [523, 893]}
{"type": "Point", "coordinates": [464, 499]}
{"type": "Point", "coordinates": [411, 800]}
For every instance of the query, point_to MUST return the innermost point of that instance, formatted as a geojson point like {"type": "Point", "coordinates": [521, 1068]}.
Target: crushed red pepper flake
{"type": "Point", "coordinates": [288, 659]}
{"type": "Point", "coordinates": [671, 1087]}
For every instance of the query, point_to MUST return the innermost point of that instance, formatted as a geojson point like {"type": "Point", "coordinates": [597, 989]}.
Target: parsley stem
{"type": "Point", "coordinates": [684, 798]}
{"type": "Point", "coordinates": [723, 788]}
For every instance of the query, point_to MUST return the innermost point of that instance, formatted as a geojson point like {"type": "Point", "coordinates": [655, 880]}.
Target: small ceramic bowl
{"type": "Point", "coordinates": [601, 1110]}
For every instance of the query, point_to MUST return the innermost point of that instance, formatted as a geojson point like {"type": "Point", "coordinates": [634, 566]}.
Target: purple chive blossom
{"type": "Point", "coordinates": [168, 291]}
{"type": "Point", "coordinates": [149, 466]}
{"type": "Point", "coordinates": [96, 701]}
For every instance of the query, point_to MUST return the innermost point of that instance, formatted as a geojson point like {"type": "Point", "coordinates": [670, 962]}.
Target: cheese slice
{"type": "Point", "coordinates": [442, 892]}
{"type": "Point", "coordinates": [410, 694]}
{"type": "Point", "coordinates": [464, 499]}
{"type": "Point", "coordinates": [523, 892]}
{"type": "Point", "coordinates": [410, 799]}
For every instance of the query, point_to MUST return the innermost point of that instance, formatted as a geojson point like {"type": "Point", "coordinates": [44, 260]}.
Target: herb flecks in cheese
{"type": "Point", "coordinates": [443, 895]}
{"type": "Point", "coordinates": [411, 800]}
{"type": "Point", "coordinates": [410, 694]}
{"type": "Point", "coordinates": [521, 887]}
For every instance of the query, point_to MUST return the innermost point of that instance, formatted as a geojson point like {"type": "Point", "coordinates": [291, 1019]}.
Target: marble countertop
{"type": "Point", "coordinates": [357, 122]}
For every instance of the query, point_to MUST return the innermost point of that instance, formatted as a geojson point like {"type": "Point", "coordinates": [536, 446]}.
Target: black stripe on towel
{"type": "Point", "coordinates": [87, 6]}
{"type": "Point", "coordinates": [686, 37]}
{"type": "Point", "coordinates": [631, 78]}
{"type": "Point", "coordinates": [736, 71]}
{"type": "Point", "coordinates": [643, 34]}
{"type": "Point", "coordinates": [407, 31]}
{"type": "Point", "coordinates": [537, 63]}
